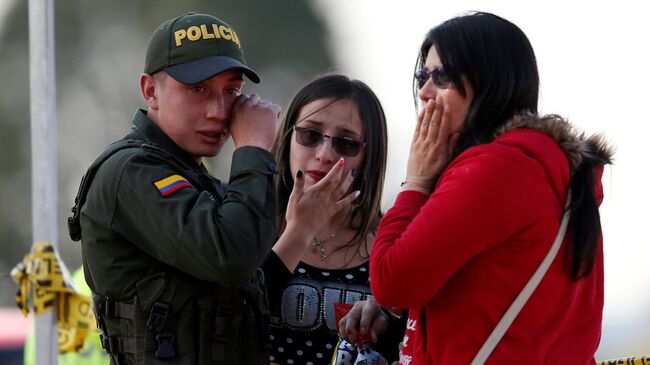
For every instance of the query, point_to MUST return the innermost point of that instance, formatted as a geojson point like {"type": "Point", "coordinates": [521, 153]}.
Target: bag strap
{"type": "Point", "coordinates": [526, 292]}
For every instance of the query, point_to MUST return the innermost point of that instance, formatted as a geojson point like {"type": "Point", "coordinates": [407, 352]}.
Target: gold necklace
{"type": "Point", "coordinates": [320, 244]}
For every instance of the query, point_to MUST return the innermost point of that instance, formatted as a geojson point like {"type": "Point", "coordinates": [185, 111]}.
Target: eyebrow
{"type": "Point", "coordinates": [343, 130]}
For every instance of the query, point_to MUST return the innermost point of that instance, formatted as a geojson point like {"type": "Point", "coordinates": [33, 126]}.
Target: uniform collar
{"type": "Point", "coordinates": [145, 128]}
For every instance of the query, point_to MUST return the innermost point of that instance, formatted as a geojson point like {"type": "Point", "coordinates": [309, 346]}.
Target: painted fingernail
{"type": "Point", "coordinates": [299, 174]}
{"type": "Point", "coordinates": [341, 162]}
{"type": "Point", "coordinates": [357, 193]}
{"type": "Point", "coordinates": [353, 172]}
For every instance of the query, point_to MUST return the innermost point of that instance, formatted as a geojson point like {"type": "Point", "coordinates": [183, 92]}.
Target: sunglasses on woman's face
{"type": "Point", "coordinates": [438, 75]}
{"type": "Point", "coordinates": [344, 146]}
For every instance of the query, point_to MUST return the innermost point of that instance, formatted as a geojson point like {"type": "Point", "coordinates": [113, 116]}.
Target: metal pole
{"type": "Point", "coordinates": [42, 89]}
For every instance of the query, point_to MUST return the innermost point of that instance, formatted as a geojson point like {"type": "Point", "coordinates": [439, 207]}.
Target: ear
{"type": "Point", "coordinates": [148, 88]}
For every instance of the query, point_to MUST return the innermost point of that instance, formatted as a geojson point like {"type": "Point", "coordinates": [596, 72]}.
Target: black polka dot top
{"type": "Point", "coordinates": [303, 324]}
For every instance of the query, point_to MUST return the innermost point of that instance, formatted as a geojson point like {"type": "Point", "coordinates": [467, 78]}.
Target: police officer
{"type": "Point", "coordinates": [169, 252]}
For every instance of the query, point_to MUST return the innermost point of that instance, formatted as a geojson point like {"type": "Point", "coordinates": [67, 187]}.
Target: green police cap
{"type": "Point", "coordinates": [194, 47]}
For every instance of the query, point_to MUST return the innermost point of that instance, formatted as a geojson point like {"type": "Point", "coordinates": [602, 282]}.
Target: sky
{"type": "Point", "coordinates": [593, 62]}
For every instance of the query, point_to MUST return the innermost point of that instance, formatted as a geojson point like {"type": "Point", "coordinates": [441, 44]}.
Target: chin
{"type": "Point", "coordinates": [198, 155]}
{"type": "Point", "coordinates": [212, 150]}
{"type": "Point", "coordinates": [212, 153]}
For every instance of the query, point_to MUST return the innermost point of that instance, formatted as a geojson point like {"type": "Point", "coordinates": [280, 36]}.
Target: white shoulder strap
{"type": "Point", "coordinates": [525, 294]}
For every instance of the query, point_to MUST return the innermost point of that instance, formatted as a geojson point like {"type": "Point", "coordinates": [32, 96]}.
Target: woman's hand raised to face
{"type": "Point", "coordinates": [320, 202]}
{"type": "Point", "coordinates": [309, 210]}
{"type": "Point", "coordinates": [432, 146]}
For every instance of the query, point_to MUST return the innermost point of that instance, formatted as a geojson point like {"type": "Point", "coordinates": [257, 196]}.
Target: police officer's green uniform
{"type": "Point", "coordinates": [170, 253]}
{"type": "Point", "coordinates": [166, 270]}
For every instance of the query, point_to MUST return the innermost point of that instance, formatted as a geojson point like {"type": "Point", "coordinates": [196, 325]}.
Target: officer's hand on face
{"type": "Point", "coordinates": [253, 121]}
{"type": "Point", "coordinates": [365, 316]}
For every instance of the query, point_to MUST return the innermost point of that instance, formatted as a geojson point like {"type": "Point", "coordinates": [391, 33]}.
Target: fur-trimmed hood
{"type": "Point", "coordinates": [578, 147]}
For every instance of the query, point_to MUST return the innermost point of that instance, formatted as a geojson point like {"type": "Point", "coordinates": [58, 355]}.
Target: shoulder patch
{"type": "Point", "coordinates": [171, 184]}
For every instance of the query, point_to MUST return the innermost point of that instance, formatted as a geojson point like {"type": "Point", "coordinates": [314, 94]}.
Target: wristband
{"type": "Point", "coordinates": [412, 183]}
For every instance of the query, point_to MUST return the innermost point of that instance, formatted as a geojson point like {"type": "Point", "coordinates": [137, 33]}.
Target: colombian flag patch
{"type": "Point", "coordinates": [171, 184]}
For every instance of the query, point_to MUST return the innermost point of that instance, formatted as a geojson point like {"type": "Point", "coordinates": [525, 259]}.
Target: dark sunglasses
{"type": "Point", "coordinates": [438, 75]}
{"type": "Point", "coordinates": [342, 145]}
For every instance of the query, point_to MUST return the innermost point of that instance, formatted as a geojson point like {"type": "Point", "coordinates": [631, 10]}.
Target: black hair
{"type": "Point", "coordinates": [365, 215]}
{"type": "Point", "coordinates": [585, 217]}
{"type": "Point", "coordinates": [497, 60]}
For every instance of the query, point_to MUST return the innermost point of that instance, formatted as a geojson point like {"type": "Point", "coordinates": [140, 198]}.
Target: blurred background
{"type": "Point", "coordinates": [592, 62]}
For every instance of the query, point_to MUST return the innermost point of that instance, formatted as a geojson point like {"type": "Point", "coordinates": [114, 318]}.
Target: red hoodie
{"type": "Point", "coordinates": [459, 257]}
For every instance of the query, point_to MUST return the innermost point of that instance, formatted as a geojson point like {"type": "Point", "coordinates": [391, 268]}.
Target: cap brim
{"type": "Point", "coordinates": [196, 71]}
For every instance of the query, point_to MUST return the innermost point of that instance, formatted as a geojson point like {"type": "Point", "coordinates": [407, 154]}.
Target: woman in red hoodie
{"type": "Point", "coordinates": [486, 188]}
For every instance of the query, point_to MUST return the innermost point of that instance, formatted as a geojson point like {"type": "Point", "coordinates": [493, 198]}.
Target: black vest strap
{"type": "Point", "coordinates": [115, 345]}
{"type": "Point", "coordinates": [111, 308]}
{"type": "Point", "coordinates": [74, 227]}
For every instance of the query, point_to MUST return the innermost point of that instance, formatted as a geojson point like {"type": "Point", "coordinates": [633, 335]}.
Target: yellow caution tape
{"type": "Point", "coordinates": [42, 278]}
{"type": "Point", "coordinates": [635, 360]}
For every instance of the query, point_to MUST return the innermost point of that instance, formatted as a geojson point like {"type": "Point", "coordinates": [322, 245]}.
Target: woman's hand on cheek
{"type": "Point", "coordinates": [432, 146]}
{"type": "Point", "coordinates": [309, 210]}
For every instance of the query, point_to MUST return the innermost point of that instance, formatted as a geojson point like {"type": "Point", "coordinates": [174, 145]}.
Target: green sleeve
{"type": "Point", "coordinates": [188, 229]}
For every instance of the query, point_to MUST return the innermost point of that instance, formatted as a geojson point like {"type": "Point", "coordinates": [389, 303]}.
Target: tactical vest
{"type": "Point", "coordinates": [175, 318]}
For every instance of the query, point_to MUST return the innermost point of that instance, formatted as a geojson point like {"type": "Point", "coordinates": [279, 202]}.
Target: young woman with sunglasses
{"type": "Point", "coordinates": [331, 146]}
{"type": "Point", "coordinates": [487, 183]}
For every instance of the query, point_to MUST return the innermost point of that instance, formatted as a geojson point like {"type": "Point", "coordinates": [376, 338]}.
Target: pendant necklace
{"type": "Point", "coordinates": [320, 245]}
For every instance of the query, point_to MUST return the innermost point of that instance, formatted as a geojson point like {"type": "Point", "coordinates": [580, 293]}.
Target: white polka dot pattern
{"type": "Point", "coordinates": [304, 329]}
